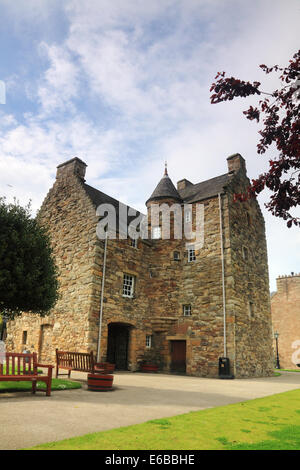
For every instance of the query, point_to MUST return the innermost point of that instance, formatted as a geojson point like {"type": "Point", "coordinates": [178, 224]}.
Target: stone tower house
{"type": "Point", "coordinates": [181, 302]}
{"type": "Point", "coordinates": [285, 307]}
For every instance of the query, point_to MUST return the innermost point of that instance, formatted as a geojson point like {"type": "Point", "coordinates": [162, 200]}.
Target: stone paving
{"type": "Point", "coordinates": [28, 420]}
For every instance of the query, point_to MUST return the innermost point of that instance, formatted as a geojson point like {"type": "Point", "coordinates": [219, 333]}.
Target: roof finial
{"type": "Point", "coordinates": [166, 168]}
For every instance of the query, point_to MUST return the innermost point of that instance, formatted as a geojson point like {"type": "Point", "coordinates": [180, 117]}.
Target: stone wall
{"type": "Point", "coordinates": [70, 218]}
{"type": "Point", "coordinates": [163, 285]}
{"type": "Point", "coordinates": [249, 299]}
{"type": "Point", "coordinates": [285, 305]}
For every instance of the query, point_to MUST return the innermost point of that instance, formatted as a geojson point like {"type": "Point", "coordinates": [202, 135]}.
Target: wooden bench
{"type": "Point", "coordinates": [24, 367]}
{"type": "Point", "coordinates": [81, 362]}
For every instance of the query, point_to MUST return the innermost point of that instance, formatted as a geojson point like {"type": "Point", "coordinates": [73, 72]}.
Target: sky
{"type": "Point", "coordinates": [124, 86]}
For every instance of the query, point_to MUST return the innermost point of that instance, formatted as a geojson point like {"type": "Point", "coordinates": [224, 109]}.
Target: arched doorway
{"type": "Point", "coordinates": [117, 344]}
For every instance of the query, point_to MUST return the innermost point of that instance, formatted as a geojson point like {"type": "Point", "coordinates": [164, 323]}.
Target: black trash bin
{"type": "Point", "coordinates": [224, 368]}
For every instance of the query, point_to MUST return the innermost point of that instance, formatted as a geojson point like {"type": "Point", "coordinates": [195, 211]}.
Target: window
{"type": "Point", "coordinates": [251, 309]}
{"type": "Point", "coordinates": [133, 242]}
{"type": "Point", "coordinates": [248, 218]}
{"type": "Point", "coordinates": [191, 254]}
{"type": "Point", "coordinates": [176, 256]}
{"type": "Point", "coordinates": [187, 310]}
{"type": "Point", "coordinates": [156, 233]}
{"type": "Point", "coordinates": [148, 341]}
{"type": "Point", "coordinates": [128, 285]}
{"type": "Point", "coordinates": [24, 338]}
{"type": "Point", "coordinates": [188, 216]}
{"type": "Point", "coordinates": [245, 253]}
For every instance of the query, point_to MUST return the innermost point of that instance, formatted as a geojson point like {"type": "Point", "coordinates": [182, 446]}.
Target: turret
{"type": "Point", "coordinates": [165, 195]}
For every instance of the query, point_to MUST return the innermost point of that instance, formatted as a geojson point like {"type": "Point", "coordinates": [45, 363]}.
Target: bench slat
{"type": "Point", "coordinates": [23, 367]}
{"type": "Point", "coordinates": [82, 362]}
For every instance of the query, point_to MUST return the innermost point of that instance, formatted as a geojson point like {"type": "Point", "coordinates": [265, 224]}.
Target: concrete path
{"type": "Point", "coordinates": [27, 420]}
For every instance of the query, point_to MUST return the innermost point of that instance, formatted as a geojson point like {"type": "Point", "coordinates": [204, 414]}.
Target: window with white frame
{"type": "Point", "coordinates": [187, 310]}
{"type": "Point", "coordinates": [191, 254]}
{"type": "Point", "coordinates": [148, 341]}
{"type": "Point", "coordinates": [128, 285]}
{"type": "Point", "coordinates": [156, 232]}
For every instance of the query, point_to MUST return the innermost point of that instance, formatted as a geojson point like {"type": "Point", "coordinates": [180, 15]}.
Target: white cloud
{"type": "Point", "coordinates": [60, 82]}
{"type": "Point", "coordinates": [128, 88]}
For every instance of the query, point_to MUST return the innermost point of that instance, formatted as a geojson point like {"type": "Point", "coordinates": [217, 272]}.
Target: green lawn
{"type": "Point", "coordinates": [266, 423]}
{"type": "Point", "coordinates": [57, 384]}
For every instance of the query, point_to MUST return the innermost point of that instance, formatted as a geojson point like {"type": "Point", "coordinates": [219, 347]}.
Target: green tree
{"type": "Point", "coordinates": [28, 275]}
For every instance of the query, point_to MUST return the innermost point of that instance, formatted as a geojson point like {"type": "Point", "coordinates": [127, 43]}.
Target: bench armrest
{"type": "Point", "coordinates": [45, 365]}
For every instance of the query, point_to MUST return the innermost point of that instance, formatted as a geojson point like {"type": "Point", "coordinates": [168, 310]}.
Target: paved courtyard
{"type": "Point", "coordinates": [27, 420]}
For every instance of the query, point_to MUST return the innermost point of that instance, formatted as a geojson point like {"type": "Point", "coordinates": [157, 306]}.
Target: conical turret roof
{"type": "Point", "coordinates": [165, 189]}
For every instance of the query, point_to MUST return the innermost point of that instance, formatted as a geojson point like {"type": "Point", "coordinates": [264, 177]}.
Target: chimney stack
{"type": "Point", "coordinates": [182, 184]}
{"type": "Point", "coordinates": [75, 166]}
{"type": "Point", "coordinates": [236, 163]}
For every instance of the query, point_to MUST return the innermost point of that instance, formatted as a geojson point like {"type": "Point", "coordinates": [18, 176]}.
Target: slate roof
{"type": "Point", "coordinates": [98, 197]}
{"type": "Point", "coordinates": [205, 189]}
{"type": "Point", "coordinates": [165, 189]}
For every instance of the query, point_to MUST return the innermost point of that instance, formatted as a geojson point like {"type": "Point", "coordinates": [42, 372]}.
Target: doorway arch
{"type": "Point", "coordinates": [118, 344]}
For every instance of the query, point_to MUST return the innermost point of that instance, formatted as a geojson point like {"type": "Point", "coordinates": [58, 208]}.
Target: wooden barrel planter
{"type": "Point", "coordinates": [149, 368]}
{"type": "Point", "coordinates": [100, 382]}
{"type": "Point", "coordinates": [105, 366]}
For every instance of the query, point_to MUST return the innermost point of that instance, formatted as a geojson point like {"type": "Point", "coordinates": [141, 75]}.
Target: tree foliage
{"type": "Point", "coordinates": [28, 275]}
{"type": "Point", "coordinates": [279, 113]}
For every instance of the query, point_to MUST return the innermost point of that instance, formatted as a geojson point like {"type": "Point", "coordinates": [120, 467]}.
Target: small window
{"type": "Point", "coordinates": [24, 338]}
{"type": "Point", "coordinates": [187, 310]}
{"type": "Point", "coordinates": [188, 216]}
{"type": "Point", "coordinates": [128, 285]}
{"type": "Point", "coordinates": [245, 253]}
{"type": "Point", "coordinates": [176, 256]}
{"type": "Point", "coordinates": [148, 341]}
{"type": "Point", "coordinates": [156, 233]}
{"type": "Point", "coordinates": [133, 242]}
{"type": "Point", "coordinates": [251, 309]}
{"type": "Point", "coordinates": [191, 254]}
{"type": "Point", "coordinates": [248, 218]}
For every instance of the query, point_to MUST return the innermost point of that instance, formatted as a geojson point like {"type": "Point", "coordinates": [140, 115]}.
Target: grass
{"type": "Point", "coordinates": [290, 370]}
{"type": "Point", "coordinates": [57, 384]}
{"type": "Point", "coordinates": [271, 423]}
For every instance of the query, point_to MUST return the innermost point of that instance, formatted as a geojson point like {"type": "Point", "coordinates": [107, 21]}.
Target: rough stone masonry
{"type": "Point", "coordinates": [178, 305]}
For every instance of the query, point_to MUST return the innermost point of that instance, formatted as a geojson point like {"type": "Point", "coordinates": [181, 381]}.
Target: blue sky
{"type": "Point", "coordinates": [124, 85]}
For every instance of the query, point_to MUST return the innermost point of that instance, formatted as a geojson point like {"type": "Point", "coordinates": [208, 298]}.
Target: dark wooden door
{"type": "Point", "coordinates": [178, 356]}
{"type": "Point", "coordinates": [117, 347]}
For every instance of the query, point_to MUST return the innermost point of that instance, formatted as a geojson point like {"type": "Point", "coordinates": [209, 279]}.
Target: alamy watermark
{"type": "Point", "coordinates": [163, 221]}
{"type": "Point", "coordinates": [2, 92]}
